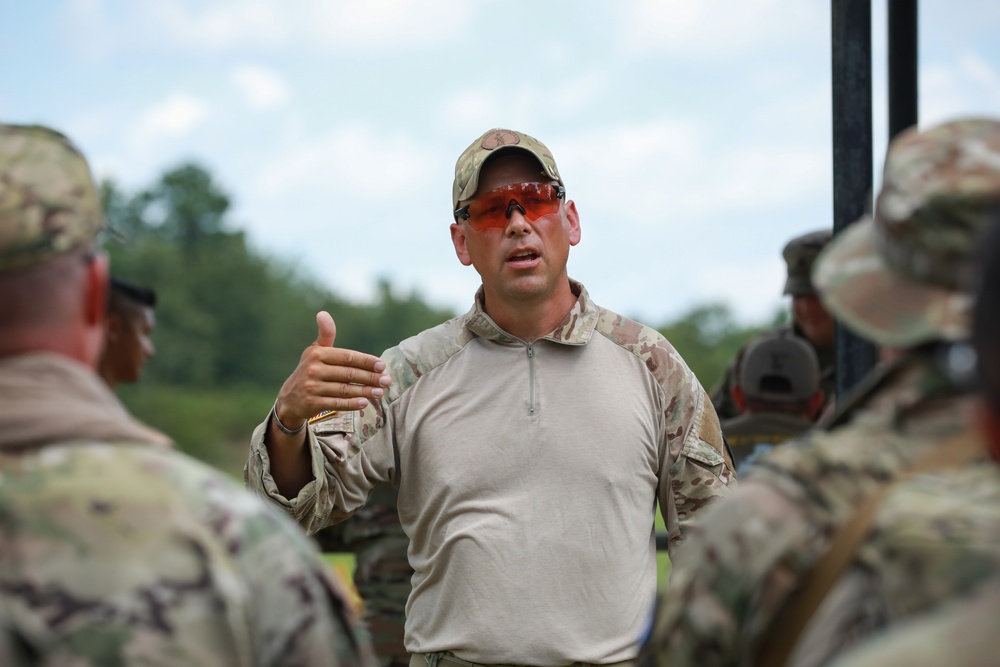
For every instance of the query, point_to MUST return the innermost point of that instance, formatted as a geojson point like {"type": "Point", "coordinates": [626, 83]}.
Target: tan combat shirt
{"type": "Point", "coordinates": [528, 475]}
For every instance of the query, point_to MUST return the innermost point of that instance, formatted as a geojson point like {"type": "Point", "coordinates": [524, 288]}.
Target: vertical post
{"type": "Point", "coordinates": [852, 154]}
{"type": "Point", "coordinates": [902, 65]}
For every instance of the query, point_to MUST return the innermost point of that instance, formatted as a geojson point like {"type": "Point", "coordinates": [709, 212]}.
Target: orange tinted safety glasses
{"type": "Point", "coordinates": [492, 210]}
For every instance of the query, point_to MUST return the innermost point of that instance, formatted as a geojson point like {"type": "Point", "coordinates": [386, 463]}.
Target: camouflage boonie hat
{"type": "Point", "coordinates": [799, 254]}
{"type": "Point", "coordinates": [48, 201]}
{"type": "Point", "coordinates": [782, 369]}
{"type": "Point", "coordinates": [472, 158]}
{"type": "Point", "coordinates": [904, 275]}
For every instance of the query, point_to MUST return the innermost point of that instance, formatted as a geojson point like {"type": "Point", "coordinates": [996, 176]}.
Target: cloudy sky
{"type": "Point", "coordinates": [693, 136]}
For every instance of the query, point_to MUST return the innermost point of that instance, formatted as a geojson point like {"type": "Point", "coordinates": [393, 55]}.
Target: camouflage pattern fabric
{"type": "Point", "coordinates": [381, 572]}
{"type": "Point", "coordinates": [961, 634]}
{"type": "Point", "coordinates": [118, 551]}
{"type": "Point", "coordinates": [935, 535]}
{"type": "Point", "coordinates": [722, 399]}
{"type": "Point", "coordinates": [903, 276]}
{"type": "Point", "coordinates": [472, 158]}
{"type": "Point", "coordinates": [48, 202]}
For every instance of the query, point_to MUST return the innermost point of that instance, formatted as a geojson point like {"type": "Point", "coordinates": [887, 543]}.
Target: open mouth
{"type": "Point", "coordinates": [522, 258]}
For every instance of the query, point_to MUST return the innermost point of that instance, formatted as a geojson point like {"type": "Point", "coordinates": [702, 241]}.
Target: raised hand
{"type": "Point", "coordinates": [329, 378]}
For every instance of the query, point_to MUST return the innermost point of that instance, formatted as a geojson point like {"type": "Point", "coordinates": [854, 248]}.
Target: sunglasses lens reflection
{"type": "Point", "coordinates": [492, 209]}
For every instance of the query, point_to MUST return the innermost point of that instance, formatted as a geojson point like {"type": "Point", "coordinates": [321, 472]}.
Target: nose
{"type": "Point", "coordinates": [517, 223]}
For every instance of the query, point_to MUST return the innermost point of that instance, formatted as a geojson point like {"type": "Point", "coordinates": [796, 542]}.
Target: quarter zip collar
{"type": "Point", "coordinates": [575, 329]}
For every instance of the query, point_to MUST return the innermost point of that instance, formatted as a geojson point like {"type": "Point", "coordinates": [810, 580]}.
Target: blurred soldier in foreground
{"type": "Point", "coordinates": [964, 632]}
{"type": "Point", "coordinates": [113, 551]}
{"type": "Point", "coordinates": [791, 564]}
{"type": "Point", "coordinates": [129, 323]}
{"type": "Point", "coordinates": [381, 570]}
{"type": "Point", "coordinates": [810, 323]}
{"type": "Point", "coordinates": [778, 394]}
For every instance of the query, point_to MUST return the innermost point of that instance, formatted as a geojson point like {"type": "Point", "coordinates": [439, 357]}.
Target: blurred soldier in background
{"type": "Point", "coordinates": [819, 548]}
{"type": "Point", "coordinates": [113, 551]}
{"type": "Point", "coordinates": [778, 394]}
{"type": "Point", "coordinates": [962, 633]}
{"type": "Point", "coordinates": [129, 323]}
{"type": "Point", "coordinates": [381, 570]}
{"type": "Point", "coordinates": [810, 323]}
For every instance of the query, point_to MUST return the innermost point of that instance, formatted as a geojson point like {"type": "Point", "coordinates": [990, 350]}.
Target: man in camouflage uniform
{"type": "Point", "coordinates": [116, 550]}
{"type": "Point", "coordinates": [900, 278]}
{"type": "Point", "coordinates": [962, 633]}
{"type": "Point", "coordinates": [778, 393]}
{"type": "Point", "coordinates": [810, 323]}
{"type": "Point", "coordinates": [530, 439]}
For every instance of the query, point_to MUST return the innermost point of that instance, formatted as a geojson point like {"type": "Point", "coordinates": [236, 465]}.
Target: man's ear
{"type": "Point", "coordinates": [736, 391]}
{"type": "Point", "coordinates": [573, 218]}
{"type": "Point", "coordinates": [95, 304]}
{"type": "Point", "coordinates": [459, 241]}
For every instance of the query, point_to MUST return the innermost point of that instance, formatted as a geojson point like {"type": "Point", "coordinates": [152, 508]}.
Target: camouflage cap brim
{"type": "Point", "coordinates": [879, 304]}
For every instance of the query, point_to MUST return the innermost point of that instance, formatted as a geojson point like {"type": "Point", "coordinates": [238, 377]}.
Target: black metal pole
{"type": "Point", "coordinates": [852, 153]}
{"type": "Point", "coordinates": [902, 65]}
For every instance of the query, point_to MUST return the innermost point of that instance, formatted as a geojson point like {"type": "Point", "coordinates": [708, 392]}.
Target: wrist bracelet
{"type": "Point", "coordinates": [281, 427]}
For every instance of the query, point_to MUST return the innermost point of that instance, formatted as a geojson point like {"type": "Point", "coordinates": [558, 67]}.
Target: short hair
{"type": "Point", "coordinates": [986, 318]}
{"type": "Point", "coordinates": [130, 292]}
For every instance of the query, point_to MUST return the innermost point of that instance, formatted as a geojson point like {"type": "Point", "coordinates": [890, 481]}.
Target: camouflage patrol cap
{"type": "Point", "coordinates": [799, 254]}
{"type": "Point", "coordinates": [782, 369]}
{"type": "Point", "coordinates": [48, 202]}
{"type": "Point", "coordinates": [472, 158]}
{"type": "Point", "coordinates": [903, 275]}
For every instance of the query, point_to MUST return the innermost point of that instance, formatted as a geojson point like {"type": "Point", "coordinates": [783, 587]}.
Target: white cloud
{"type": "Point", "coordinates": [475, 109]}
{"type": "Point", "coordinates": [680, 167]}
{"type": "Point", "coordinates": [381, 26]}
{"type": "Point", "coordinates": [968, 85]}
{"type": "Point", "coordinates": [173, 118]}
{"type": "Point", "coordinates": [717, 29]}
{"type": "Point", "coordinates": [354, 160]}
{"type": "Point", "coordinates": [262, 88]}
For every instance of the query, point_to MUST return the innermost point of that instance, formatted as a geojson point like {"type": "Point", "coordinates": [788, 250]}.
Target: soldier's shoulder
{"type": "Point", "coordinates": [420, 354]}
{"type": "Point", "coordinates": [660, 357]}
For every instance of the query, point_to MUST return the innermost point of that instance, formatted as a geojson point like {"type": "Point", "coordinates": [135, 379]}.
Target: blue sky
{"type": "Point", "coordinates": [693, 136]}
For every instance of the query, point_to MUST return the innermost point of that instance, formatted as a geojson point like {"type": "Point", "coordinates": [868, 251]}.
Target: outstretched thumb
{"type": "Point", "coordinates": [327, 329]}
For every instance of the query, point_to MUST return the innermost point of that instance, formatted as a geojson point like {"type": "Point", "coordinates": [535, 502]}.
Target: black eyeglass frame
{"type": "Point", "coordinates": [463, 212]}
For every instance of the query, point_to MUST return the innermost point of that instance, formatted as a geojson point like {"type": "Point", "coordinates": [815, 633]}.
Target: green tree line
{"type": "Point", "coordinates": [232, 321]}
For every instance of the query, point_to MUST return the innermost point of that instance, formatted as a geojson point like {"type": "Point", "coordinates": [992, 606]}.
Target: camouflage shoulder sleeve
{"type": "Point", "coordinates": [693, 456]}
{"type": "Point", "coordinates": [123, 554]}
{"type": "Point", "coordinates": [729, 577]}
{"type": "Point", "coordinates": [342, 479]}
{"type": "Point", "coordinates": [961, 633]}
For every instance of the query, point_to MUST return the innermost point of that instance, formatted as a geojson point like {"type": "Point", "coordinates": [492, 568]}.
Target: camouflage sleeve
{"type": "Point", "coordinates": [344, 471]}
{"type": "Point", "coordinates": [959, 634]}
{"type": "Point", "coordinates": [301, 615]}
{"type": "Point", "coordinates": [733, 572]}
{"type": "Point", "coordinates": [701, 470]}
